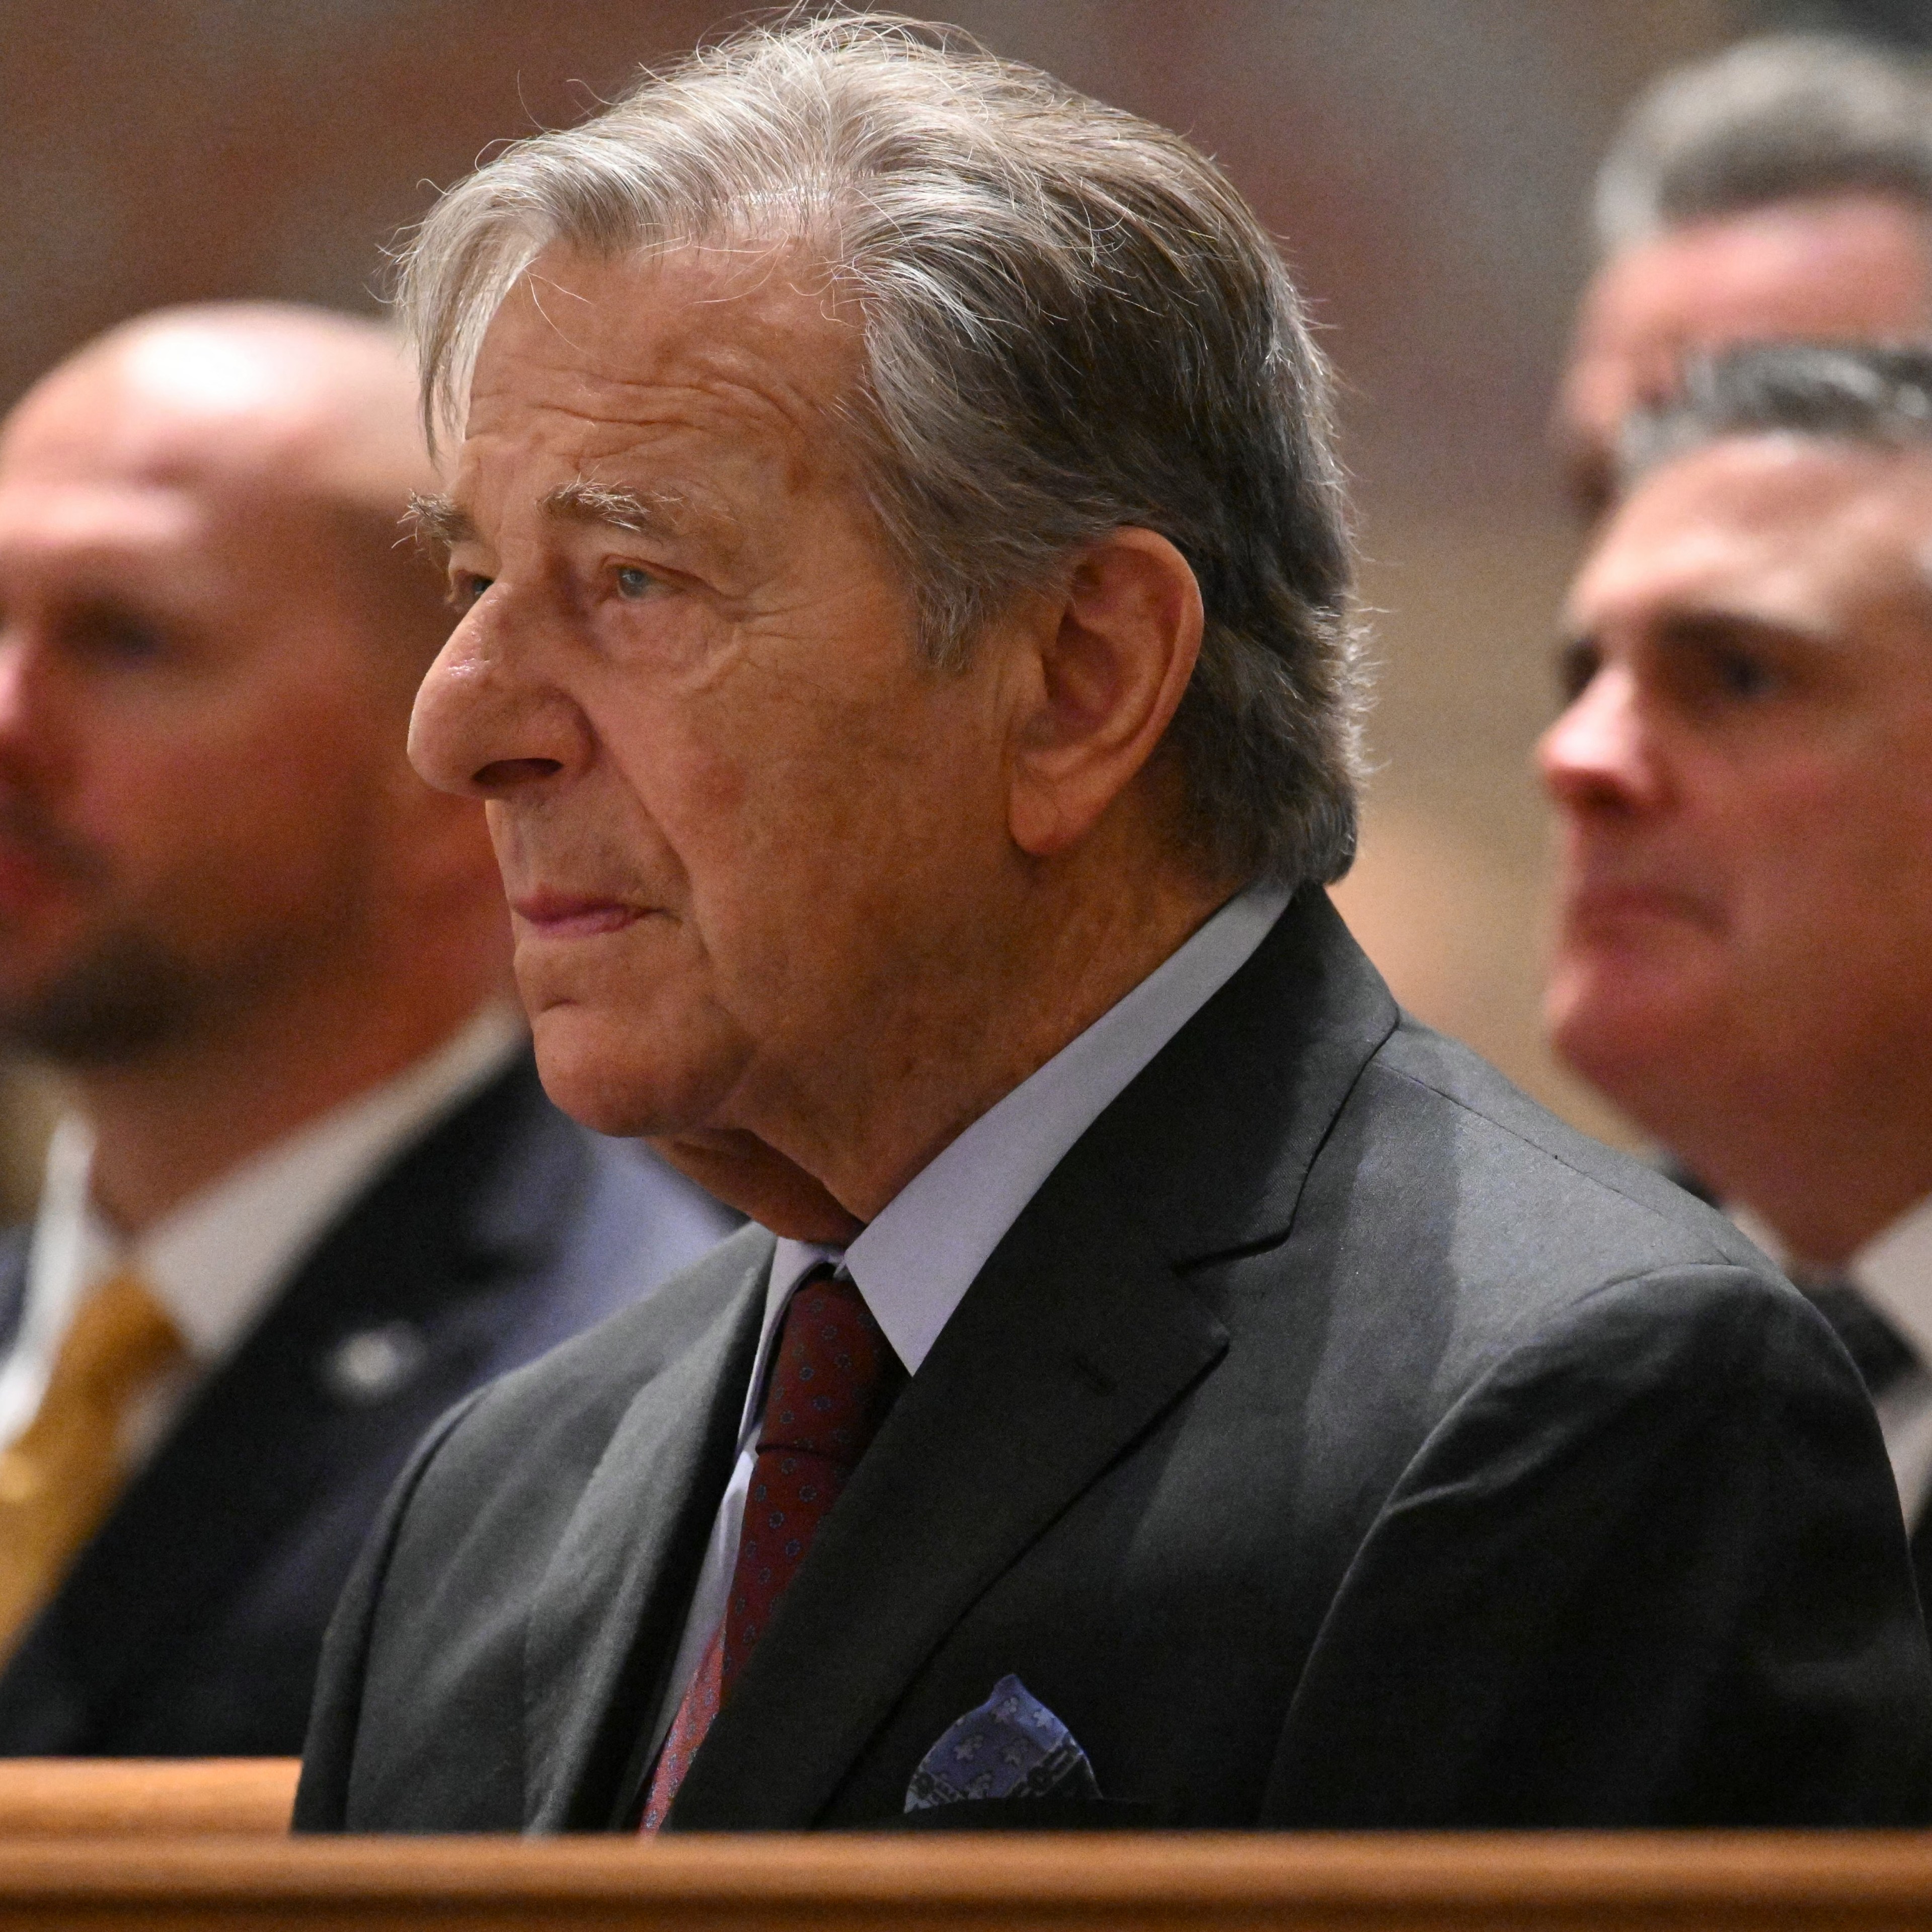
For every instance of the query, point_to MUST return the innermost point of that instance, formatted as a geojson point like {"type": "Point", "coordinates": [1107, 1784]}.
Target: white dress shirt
{"type": "Point", "coordinates": [1893, 1271]}
{"type": "Point", "coordinates": [916, 1259]}
{"type": "Point", "coordinates": [216, 1260]}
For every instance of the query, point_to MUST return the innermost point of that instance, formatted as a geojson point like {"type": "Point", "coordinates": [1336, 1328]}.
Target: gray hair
{"type": "Point", "coordinates": [1879, 397]}
{"type": "Point", "coordinates": [1772, 119]}
{"type": "Point", "coordinates": [1072, 322]}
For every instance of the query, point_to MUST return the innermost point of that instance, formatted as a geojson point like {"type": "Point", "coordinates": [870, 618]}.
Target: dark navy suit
{"type": "Point", "coordinates": [191, 1624]}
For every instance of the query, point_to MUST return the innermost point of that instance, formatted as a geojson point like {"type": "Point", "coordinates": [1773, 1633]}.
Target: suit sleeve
{"type": "Point", "coordinates": [328, 1755]}
{"type": "Point", "coordinates": [1649, 1571]}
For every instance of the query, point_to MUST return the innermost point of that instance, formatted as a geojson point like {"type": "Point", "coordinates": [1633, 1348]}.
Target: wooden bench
{"type": "Point", "coordinates": [193, 1847]}
{"type": "Point", "coordinates": [145, 1797]}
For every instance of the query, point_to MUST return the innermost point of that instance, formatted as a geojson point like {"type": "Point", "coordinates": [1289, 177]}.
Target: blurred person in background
{"type": "Point", "coordinates": [1744, 778]}
{"type": "Point", "coordinates": [310, 1191]}
{"type": "Point", "coordinates": [1780, 190]}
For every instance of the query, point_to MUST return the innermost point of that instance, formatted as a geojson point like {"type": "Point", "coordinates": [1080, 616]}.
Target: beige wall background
{"type": "Point", "coordinates": [1425, 162]}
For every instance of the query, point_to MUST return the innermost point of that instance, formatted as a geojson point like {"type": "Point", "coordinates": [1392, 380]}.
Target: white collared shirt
{"type": "Point", "coordinates": [216, 1260]}
{"type": "Point", "coordinates": [1893, 1271]}
{"type": "Point", "coordinates": [916, 1259]}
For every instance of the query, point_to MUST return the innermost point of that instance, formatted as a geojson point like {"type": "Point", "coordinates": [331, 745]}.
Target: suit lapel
{"type": "Point", "coordinates": [1074, 1340]}
{"type": "Point", "coordinates": [1078, 1336]}
{"type": "Point", "coordinates": [607, 1618]}
{"type": "Point", "coordinates": [1213, 1140]}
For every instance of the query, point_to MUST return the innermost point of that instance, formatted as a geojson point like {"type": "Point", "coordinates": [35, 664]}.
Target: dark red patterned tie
{"type": "Point", "coordinates": [833, 1377]}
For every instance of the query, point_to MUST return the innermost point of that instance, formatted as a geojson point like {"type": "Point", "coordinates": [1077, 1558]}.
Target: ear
{"type": "Point", "coordinates": [1104, 673]}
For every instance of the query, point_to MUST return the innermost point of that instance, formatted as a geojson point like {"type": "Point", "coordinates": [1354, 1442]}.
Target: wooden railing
{"type": "Point", "coordinates": [54, 1797]}
{"type": "Point", "coordinates": [179, 1846]}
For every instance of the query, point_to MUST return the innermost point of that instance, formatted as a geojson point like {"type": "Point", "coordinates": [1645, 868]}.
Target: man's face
{"type": "Point", "coordinates": [1745, 915]}
{"type": "Point", "coordinates": [192, 760]}
{"type": "Point", "coordinates": [749, 840]}
{"type": "Point", "coordinates": [1843, 267]}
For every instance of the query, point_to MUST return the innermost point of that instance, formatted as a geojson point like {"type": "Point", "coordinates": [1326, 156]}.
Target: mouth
{"type": "Point", "coordinates": [1607, 909]}
{"type": "Point", "coordinates": [555, 915]}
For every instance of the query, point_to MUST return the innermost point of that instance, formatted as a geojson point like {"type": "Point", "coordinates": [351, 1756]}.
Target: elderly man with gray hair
{"type": "Point", "coordinates": [1780, 190]}
{"type": "Point", "coordinates": [909, 662]}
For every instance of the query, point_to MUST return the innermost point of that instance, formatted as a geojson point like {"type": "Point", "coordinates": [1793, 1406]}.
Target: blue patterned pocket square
{"type": "Point", "coordinates": [1011, 1746]}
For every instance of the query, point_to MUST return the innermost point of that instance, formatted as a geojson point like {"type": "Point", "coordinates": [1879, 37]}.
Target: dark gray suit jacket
{"type": "Point", "coordinates": [1336, 1440]}
{"type": "Point", "coordinates": [191, 1624]}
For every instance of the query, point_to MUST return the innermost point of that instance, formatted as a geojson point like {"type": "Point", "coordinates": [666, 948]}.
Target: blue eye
{"type": "Point", "coordinates": [633, 582]}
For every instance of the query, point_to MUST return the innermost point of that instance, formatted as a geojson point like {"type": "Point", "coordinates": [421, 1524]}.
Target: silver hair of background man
{"type": "Point", "coordinates": [1836, 391]}
{"type": "Point", "coordinates": [1776, 119]}
{"type": "Point", "coordinates": [1073, 323]}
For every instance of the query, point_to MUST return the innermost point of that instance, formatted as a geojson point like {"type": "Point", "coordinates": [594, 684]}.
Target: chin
{"type": "Point", "coordinates": [1635, 1037]}
{"type": "Point", "coordinates": [615, 1077]}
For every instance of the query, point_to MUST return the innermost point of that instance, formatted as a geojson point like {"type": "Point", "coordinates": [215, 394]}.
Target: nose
{"type": "Point", "coordinates": [486, 722]}
{"type": "Point", "coordinates": [1602, 755]}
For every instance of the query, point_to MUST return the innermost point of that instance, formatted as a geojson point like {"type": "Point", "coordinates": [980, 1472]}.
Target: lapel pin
{"type": "Point", "coordinates": [373, 1363]}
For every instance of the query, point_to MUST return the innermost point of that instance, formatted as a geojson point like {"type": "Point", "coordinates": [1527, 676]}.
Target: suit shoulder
{"type": "Point", "coordinates": [1468, 1221]}
{"type": "Point", "coordinates": [1520, 1157]}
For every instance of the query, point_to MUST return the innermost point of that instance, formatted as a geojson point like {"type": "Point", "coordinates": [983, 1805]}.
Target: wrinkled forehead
{"type": "Point", "coordinates": [1772, 523]}
{"type": "Point", "coordinates": [760, 331]}
{"type": "Point", "coordinates": [706, 383]}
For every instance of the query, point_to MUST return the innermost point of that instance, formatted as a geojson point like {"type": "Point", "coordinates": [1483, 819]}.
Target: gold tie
{"type": "Point", "coordinates": [58, 1480]}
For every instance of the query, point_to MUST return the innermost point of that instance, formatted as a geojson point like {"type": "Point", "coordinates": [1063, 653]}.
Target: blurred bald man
{"type": "Point", "coordinates": [1780, 191]}
{"type": "Point", "coordinates": [309, 1191]}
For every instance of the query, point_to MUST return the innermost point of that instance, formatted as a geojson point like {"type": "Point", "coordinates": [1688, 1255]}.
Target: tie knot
{"type": "Point", "coordinates": [121, 1338]}
{"type": "Point", "coordinates": [833, 1373]}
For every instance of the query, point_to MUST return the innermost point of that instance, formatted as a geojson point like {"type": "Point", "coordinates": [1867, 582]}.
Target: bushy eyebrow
{"type": "Point", "coordinates": [586, 502]}
{"type": "Point", "coordinates": [438, 522]}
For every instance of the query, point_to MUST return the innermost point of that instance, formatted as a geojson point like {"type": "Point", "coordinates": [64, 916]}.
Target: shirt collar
{"type": "Point", "coordinates": [1893, 1271]}
{"type": "Point", "coordinates": [915, 1260]}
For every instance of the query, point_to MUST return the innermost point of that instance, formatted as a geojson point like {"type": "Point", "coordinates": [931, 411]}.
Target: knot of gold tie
{"type": "Point", "coordinates": [59, 1479]}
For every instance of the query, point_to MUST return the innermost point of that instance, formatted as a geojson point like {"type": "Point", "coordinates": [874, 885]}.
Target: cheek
{"type": "Point", "coordinates": [817, 824]}
{"type": "Point", "coordinates": [174, 797]}
{"type": "Point", "coordinates": [1827, 870]}
{"type": "Point", "coordinates": [244, 824]}
{"type": "Point", "coordinates": [844, 843]}
{"type": "Point", "coordinates": [755, 807]}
